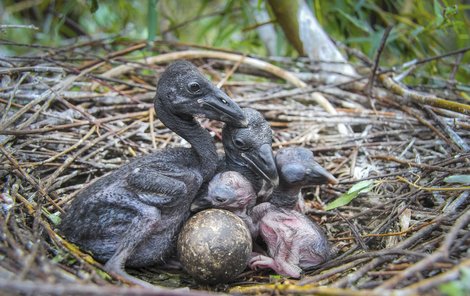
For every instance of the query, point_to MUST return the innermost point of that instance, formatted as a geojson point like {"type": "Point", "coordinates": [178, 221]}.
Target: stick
{"type": "Point", "coordinates": [422, 99]}
{"type": "Point", "coordinates": [370, 83]}
{"type": "Point", "coordinates": [425, 285]}
{"type": "Point", "coordinates": [194, 54]}
{"type": "Point", "coordinates": [36, 287]}
{"type": "Point", "coordinates": [450, 132]}
{"type": "Point", "coordinates": [441, 253]}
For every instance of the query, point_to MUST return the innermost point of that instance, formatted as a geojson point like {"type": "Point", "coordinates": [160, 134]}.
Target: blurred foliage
{"type": "Point", "coordinates": [460, 287]}
{"type": "Point", "coordinates": [421, 28]}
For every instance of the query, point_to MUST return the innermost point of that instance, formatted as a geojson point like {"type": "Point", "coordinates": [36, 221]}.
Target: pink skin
{"type": "Point", "coordinates": [233, 192]}
{"type": "Point", "coordinates": [294, 241]}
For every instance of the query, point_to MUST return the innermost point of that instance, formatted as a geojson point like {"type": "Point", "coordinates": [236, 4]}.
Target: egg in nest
{"type": "Point", "coordinates": [214, 246]}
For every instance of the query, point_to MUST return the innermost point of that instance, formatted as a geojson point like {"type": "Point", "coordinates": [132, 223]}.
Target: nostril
{"type": "Point", "coordinates": [224, 101]}
{"type": "Point", "coordinates": [220, 198]}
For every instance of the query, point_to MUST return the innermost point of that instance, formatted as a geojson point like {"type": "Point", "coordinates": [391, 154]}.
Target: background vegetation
{"type": "Point", "coordinates": [422, 28]}
{"type": "Point", "coordinates": [410, 148]}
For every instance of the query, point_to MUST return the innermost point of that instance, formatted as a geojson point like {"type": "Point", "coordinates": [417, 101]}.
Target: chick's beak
{"type": "Point", "coordinates": [262, 162]}
{"type": "Point", "coordinates": [226, 109]}
{"type": "Point", "coordinates": [321, 175]}
{"type": "Point", "coordinates": [200, 204]}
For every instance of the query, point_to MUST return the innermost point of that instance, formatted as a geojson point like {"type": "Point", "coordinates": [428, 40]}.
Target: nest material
{"type": "Point", "coordinates": [64, 123]}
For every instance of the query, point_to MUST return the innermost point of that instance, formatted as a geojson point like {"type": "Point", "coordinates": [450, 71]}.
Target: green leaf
{"type": "Point", "coordinates": [361, 186]}
{"type": "Point", "coordinates": [438, 13]}
{"type": "Point", "coordinates": [353, 192]}
{"type": "Point", "coordinates": [463, 179]}
{"type": "Point", "coordinates": [58, 258]}
{"type": "Point", "coordinates": [93, 4]}
{"type": "Point", "coordinates": [274, 278]}
{"type": "Point", "coordinates": [103, 274]}
{"type": "Point", "coordinates": [450, 11]}
{"type": "Point", "coordinates": [54, 218]}
{"type": "Point", "coordinates": [152, 20]}
{"type": "Point", "coordinates": [465, 278]}
{"type": "Point", "coordinates": [451, 289]}
{"type": "Point", "coordinates": [460, 287]}
{"type": "Point", "coordinates": [361, 24]}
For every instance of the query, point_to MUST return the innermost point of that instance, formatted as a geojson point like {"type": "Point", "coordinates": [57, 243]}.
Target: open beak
{"type": "Point", "coordinates": [226, 109]}
{"type": "Point", "coordinates": [200, 204]}
{"type": "Point", "coordinates": [321, 175]}
{"type": "Point", "coordinates": [262, 163]}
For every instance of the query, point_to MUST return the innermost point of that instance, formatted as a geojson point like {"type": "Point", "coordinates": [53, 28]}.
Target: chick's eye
{"type": "Point", "coordinates": [194, 87]}
{"type": "Point", "coordinates": [239, 143]}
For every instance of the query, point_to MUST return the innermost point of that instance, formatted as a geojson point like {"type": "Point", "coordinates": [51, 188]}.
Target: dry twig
{"type": "Point", "coordinates": [48, 155]}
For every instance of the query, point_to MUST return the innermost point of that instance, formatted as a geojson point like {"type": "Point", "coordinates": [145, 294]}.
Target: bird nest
{"type": "Point", "coordinates": [69, 117]}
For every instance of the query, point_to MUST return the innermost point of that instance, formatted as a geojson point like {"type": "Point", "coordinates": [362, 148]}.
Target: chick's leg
{"type": "Point", "coordinates": [279, 266]}
{"type": "Point", "coordinates": [260, 261]}
{"type": "Point", "coordinates": [140, 228]}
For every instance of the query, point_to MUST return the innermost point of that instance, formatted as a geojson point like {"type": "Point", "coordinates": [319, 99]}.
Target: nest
{"type": "Point", "coordinates": [66, 121]}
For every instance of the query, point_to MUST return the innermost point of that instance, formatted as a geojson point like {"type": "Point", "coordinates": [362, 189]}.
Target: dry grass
{"type": "Point", "coordinates": [408, 235]}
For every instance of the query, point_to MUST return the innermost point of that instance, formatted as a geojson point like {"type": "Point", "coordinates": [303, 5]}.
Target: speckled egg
{"type": "Point", "coordinates": [214, 246]}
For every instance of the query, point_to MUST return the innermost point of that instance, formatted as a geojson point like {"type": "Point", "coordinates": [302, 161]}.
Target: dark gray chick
{"type": "Point", "coordinates": [131, 217]}
{"type": "Point", "coordinates": [247, 151]}
{"type": "Point", "coordinates": [297, 169]}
